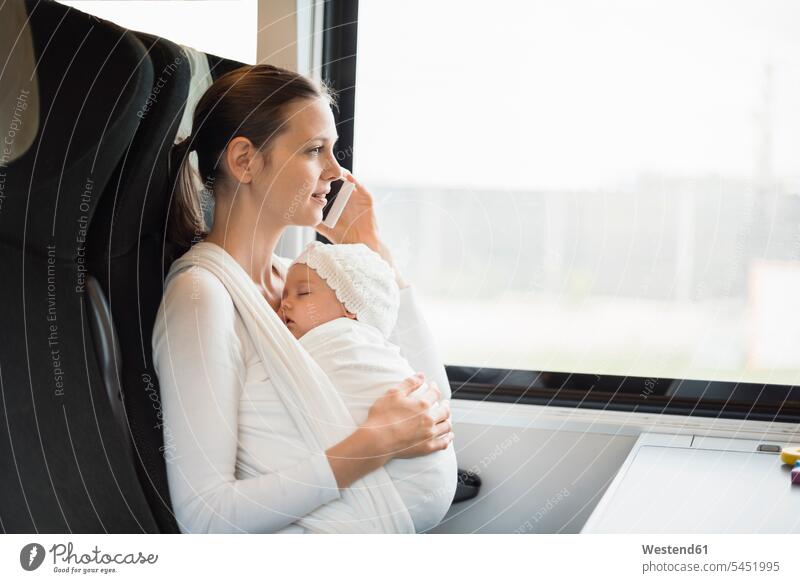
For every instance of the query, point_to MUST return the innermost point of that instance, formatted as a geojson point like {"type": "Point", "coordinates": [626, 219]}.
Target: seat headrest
{"type": "Point", "coordinates": [93, 77]}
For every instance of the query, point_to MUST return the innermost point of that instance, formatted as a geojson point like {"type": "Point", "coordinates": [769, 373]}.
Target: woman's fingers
{"type": "Point", "coordinates": [432, 395]}
{"type": "Point", "coordinates": [443, 428]}
{"type": "Point", "coordinates": [442, 441]}
{"type": "Point", "coordinates": [411, 384]}
{"type": "Point", "coordinates": [441, 413]}
{"type": "Point", "coordinates": [347, 175]}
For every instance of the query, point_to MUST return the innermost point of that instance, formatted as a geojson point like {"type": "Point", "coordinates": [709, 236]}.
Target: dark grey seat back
{"type": "Point", "coordinates": [64, 461]}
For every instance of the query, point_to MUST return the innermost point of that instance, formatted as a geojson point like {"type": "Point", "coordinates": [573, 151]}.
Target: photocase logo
{"type": "Point", "coordinates": [31, 556]}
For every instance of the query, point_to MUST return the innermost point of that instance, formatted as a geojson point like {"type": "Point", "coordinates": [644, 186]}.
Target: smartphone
{"type": "Point", "coordinates": [333, 209]}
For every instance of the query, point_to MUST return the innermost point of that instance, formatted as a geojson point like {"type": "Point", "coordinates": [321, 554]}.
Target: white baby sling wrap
{"type": "Point", "coordinates": [370, 504]}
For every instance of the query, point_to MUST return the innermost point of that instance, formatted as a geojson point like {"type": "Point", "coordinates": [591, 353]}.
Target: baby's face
{"type": "Point", "coordinates": [307, 301]}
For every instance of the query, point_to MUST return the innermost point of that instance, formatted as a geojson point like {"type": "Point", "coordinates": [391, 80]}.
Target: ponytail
{"type": "Point", "coordinates": [185, 224]}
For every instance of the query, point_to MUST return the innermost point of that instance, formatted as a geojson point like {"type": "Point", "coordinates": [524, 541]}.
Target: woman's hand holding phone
{"type": "Point", "coordinates": [357, 223]}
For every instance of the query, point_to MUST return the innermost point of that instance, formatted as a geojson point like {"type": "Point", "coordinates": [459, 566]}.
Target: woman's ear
{"type": "Point", "coordinates": [242, 159]}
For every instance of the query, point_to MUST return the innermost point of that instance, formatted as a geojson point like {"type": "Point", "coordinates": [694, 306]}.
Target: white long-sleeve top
{"type": "Point", "coordinates": [235, 460]}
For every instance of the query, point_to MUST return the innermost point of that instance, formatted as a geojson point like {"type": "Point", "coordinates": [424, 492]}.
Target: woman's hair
{"type": "Point", "coordinates": [249, 101]}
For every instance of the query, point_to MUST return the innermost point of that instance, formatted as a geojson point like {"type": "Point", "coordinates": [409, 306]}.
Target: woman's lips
{"type": "Point", "coordinates": [320, 197]}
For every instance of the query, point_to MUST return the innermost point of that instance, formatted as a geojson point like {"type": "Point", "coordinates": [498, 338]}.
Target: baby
{"type": "Point", "coordinates": [341, 303]}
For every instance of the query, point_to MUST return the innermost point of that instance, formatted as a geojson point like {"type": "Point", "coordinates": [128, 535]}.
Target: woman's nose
{"type": "Point", "coordinates": [334, 170]}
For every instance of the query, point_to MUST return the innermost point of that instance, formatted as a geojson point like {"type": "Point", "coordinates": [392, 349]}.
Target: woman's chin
{"type": "Point", "coordinates": [317, 216]}
{"type": "Point", "coordinates": [312, 219]}
{"type": "Point", "coordinates": [316, 208]}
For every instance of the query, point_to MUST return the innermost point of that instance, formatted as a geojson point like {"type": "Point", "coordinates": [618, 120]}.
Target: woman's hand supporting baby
{"type": "Point", "coordinates": [404, 424]}
{"type": "Point", "coordinates": [397, 426]}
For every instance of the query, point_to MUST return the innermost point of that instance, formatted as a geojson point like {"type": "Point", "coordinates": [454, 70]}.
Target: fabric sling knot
{"type": "Point", "coordinates": [372, 503]}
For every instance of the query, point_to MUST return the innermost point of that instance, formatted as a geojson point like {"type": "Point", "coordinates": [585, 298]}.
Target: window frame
{"type": "Point", "coordinates": [339, 52]}
{"type": "Point", "coordinates": [667, 396]}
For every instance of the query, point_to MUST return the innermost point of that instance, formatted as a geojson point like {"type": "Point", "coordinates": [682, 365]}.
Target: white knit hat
{"type": "Point", "coordinates": [363, 281]}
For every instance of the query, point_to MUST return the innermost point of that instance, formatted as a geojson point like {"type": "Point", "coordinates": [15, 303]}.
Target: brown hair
{"type": "Point", "coordinates": [249, 101]}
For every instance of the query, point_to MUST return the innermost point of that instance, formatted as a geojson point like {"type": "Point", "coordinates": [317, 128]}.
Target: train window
{"type": "Point", "coordinates": [226, 28]}
{"type": "Point", "coordinates": [607, 188]}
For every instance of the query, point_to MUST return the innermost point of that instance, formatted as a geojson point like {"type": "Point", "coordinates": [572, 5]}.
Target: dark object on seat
{"type": "Point", "coordinates": [467, 487]}
{"type": "Point", "coordinates": [107, 351]}
{"type": "Point", "coordinates": [64, 464]}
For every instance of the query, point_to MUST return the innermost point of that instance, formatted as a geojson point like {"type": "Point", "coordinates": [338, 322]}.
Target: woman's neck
{"type": "Point", "coordinates": [251, 243]}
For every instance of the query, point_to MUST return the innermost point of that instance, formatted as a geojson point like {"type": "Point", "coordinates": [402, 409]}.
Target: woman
{"type": "Point", "coordinates": [237, 460]}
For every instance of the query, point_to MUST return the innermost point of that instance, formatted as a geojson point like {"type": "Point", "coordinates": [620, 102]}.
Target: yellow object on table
{"type": "Point", "coordinates": [790, 455]}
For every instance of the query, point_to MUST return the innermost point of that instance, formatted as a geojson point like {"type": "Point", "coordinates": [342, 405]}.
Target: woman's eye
{"type": "Point", "coordinates": [303, 293]}
{"type": "Point", "coordinates": [316, 150]}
